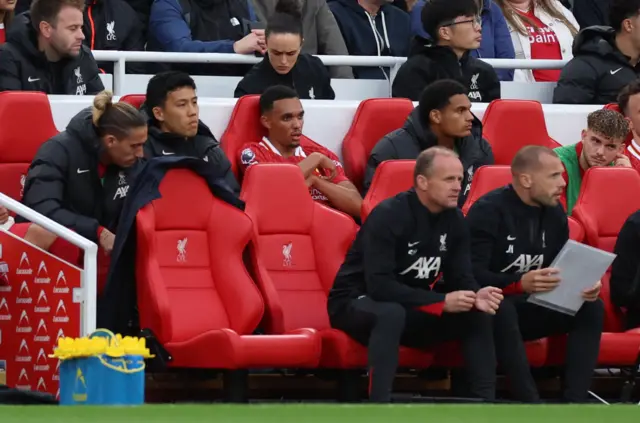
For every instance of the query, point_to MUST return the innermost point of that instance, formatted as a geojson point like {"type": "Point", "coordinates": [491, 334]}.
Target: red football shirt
{"type": "Point", "coordinates": [544, 45]}
{"type": "Point", "coordinates": [633, 153]}
{"type": "Point", "coordinates": [2, 34]}
{"type": "Point", "coordinates": [265, 152]}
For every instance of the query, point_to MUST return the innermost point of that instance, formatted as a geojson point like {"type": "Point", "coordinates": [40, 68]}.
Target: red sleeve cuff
{"type": "Point", "coordinates": [100, 229]}
{"type": "Point", "coordinates": [435, 308]}
{"type": "Point", "coordinates": [514, 288]}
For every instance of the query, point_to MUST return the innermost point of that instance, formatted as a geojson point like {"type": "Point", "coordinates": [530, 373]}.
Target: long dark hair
{"type": "Point", "coordinates": [116, 119]}
{"type": "Point", "coordinates": [287, 19]}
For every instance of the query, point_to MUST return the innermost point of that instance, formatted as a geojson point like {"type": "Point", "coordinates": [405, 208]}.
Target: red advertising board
{"type": "Point", "coordinates": [36, 308]}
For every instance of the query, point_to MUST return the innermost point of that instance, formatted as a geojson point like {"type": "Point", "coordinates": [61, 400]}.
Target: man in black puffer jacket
{"type": "Point", "coordinates": [175, 128]}
{"type": "Point", "coordinates": [113, 25]}
{"type": "Point", "coordinates": [443, 117]}
{"type": "Point", "coordinates": [457, 30]}
{"type": "Point", "coordinates": [44, 52]}
{"type": "Point", "coordinates": [605, 59]}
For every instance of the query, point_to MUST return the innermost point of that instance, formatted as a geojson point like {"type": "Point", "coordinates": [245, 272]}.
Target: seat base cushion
{"type": "Point", "coordinates": [225, 349]}
{"type": "Point", "coordinates": [339, 351]}
{"type": "Point", "coordinates": [450, 354]}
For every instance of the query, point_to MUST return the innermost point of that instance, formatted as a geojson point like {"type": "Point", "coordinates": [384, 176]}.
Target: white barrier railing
{"type": "Point", "coordinates": [121, 57]}
{"type": "Point", "coordinates": [88, 303]}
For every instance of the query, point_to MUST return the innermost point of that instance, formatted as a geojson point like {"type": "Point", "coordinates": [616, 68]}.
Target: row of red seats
{"type": "Point", "coordinates": [508, 125]}
{"type": "Point", "coordinates": [204, 303]}
{"type": "Point", "coordinates": [293, 261]}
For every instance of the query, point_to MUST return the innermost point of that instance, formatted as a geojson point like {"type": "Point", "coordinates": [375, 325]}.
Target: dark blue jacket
{"type": "Point", "coordinates": [169, 31]}
{"type": "Point", "coordinates": [359, 36]}
{"type": "Point", "coordinates": [496, 40]}
{"type": "Point", "coordinates": [117, 306]}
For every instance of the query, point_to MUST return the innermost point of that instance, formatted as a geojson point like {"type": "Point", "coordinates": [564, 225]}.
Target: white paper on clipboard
{"type": "Point", "coordinates": [580, 267]}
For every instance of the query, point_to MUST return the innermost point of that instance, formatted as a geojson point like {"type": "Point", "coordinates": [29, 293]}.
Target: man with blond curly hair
{"type": "Point", "coordinates": [602, 144]}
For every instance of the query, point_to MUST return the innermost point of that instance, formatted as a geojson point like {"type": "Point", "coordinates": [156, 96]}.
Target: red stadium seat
{"type": "Point", "coordinates": [391, 178]}
{"type": "Point", "coordinates": [26, 123]}
{"type": "Point", "coordinates": [576, 231]}
{"type": "Point", "coordinates": [509, 125]}
{"type": "Point", "coordinates": [136, 100]}
{"type": "Point", "coordinates": [299, 248]}
{"type": "Point", "coordinates": [374, 118]}
{"type": "Point", "coordinates": [607, 198]}
{"type": "Point", "coordinates": [243, 127]}
{"type": "Point", "coordinates": [194, 291]}
{"type": "Point", "coordinates": [602, 208]}
{"type": "Point", "coordinates": [486, 179]}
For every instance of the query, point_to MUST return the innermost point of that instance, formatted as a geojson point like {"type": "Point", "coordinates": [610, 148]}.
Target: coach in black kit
{"type": "Point", "coordinates": [387, 293]}
{"type": "Point", "coordinates": [516, 232]}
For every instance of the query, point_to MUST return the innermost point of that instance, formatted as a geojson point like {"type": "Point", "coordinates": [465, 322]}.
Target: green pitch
{"type": "Point", "coordinates": [295, 413]}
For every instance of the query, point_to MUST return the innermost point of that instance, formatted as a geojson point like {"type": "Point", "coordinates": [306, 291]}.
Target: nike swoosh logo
{"type": "Point", "coordinates": [411, 244]}
{"type": "Point", "coordinates": [82, 171]}
{"type": "Point", "coordinates": [511, 238]}
{"type": "Point", "coordinates": [167, 153]}
{"type": "Point", "coordinates": [613, 72]}
{"type": "Point", "coordinates": [30, 79]}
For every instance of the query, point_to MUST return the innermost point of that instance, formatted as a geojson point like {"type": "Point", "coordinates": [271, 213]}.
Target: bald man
{"type": "Point", "coordinates": [407, 280]}
{"type": "Point", "coordinates": [516, 232]}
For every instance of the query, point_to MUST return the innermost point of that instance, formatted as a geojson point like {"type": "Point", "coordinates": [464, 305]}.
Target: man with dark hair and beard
{"type": "Point", "coordinates": [44, 51]}
{"type": "Point", "coordinates": [516, 232]}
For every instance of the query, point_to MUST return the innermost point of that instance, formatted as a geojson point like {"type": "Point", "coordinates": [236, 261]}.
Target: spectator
{"type": "Point", "coordinates": [443, 117]}
{"type": "Point", "coordinates": [80, 177]}
{"type": "Point", "coordinates": [284, 64]}
{"type": "Point", "coordinates": [205, 26]}
{"type": "Point", "coordinates": [175, 127]}
{"type": "Point", "coordinates": [602, 145]}
{"type": "Point", "coordinates": [387, 294]}
{"type": "Point", "coordinates": [625, 271]}
{"type": "Point", "coordinates": [321, 32]}
{"type": "Point", "coordinates": [6, 16]}
{"type": "Point", "coordinates": [372, 28]}
{"type": "Point", "coordinates": [540, 29]}
{"type": "Point", "coordinates": [455, 28]}
{"type": "Point", "coordinates": [591, 12]}
{"type": "Point", "coordinates": [605, 59]}
{"type": "Point", "coordinates": [113, 25]}
{"type": "Point", "coordinates": [496, 41]}
{"type": "Point", "coordinates": [44, 51]}
{"type": "Point", "coordinates": [516, 233]}
{"type": "Point", "coordinates": [629, 106]}
{"type": "Point", "coordinates": [142, 9]}
{"type": "Point", "coordinates": [283, 117]}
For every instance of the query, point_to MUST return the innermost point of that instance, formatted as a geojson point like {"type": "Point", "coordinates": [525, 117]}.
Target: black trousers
{"type": "Point", "coordinates": [518, 320]}
{"type": "Point", "coordinates": [384, 326]}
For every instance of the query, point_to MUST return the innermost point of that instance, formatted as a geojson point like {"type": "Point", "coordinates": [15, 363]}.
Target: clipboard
{"type": "Point", "coordinates": [580, 267]}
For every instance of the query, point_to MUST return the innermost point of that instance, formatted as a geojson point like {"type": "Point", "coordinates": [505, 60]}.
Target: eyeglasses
{"type": "Point", "coordinates": [476, 20]}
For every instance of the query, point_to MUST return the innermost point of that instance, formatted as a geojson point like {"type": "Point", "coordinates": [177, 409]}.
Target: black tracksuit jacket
{"type": "Point", "coordinates": [510, 238]}
{"type": "Point", "coordinates": [399, 254]}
